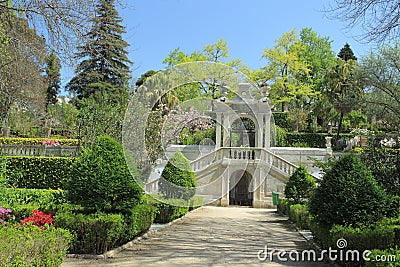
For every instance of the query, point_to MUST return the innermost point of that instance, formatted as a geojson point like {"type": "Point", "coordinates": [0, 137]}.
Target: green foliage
{"type": "Point", "coordinates": [100, 179]}
{"type": "Point", "coordinates": [93, 233]}
{"type": "Point", "coordinates": [170, 210]}
{"type": "Point", "coordinates": [53, 78]}
{"type": "Point", "coordinates": [385, 166]}
{"type": "Point", "coordinates": [96, 233]}
{"type": "Point", "coordinates": [104, 63]}
{"type": "Point", "coordinates": [138, 220]}
{"type": "Point", "coordinates": [3, 168]}
{"type": "Point", "coordinates": [284, 206]}
{"type": "Point", "coordinates": [348, 195]}
{"type": "Point", "coordinates": [177, 178]}
{"type": "Point", "coordinates": [31, 246]}
{"type": "Point", "coordinates": [355, 119]}
{"type": "Point", "coordinates": [311, 139]}
{"type": "Point", "coordinates": [280, 136]}
{"type": "Point", "coordinates": [100, 115]}
{"type": "Point", "coordinates": [38, 172]}
{"type": "Point", "coordinates": [300, 186]}
{"type": "Point", "coordinates": [24, 201]}
{"type": "Point", "coordinates": [300, 216]}
{"type": "Point", "coordinates": [197, 137]}
{"type": "Point", "coordinates": [281, 120]}
{"type": "Point", "coordinates": [385, 257]}
{"type": "Point", "coordinates": [36, 141]}
{"type": "Point", "coordinates": [367, 238]}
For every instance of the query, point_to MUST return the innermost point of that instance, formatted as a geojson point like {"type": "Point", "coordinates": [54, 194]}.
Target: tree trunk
{"type": "Point", "coordinates": [339, 128]}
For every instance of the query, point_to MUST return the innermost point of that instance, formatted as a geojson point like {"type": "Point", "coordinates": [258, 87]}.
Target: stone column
{"type": "Point", "coordinates": [267, 126]}
{"type": "Point", "coordinates": [257, 198]}
{"type": "Point", "coordinates": [218, 132]}
{"type": "Point", "coordinates": [260, 131]}
{"type": "Point", "coordinates": [329, 152]}
{"type": "Point", "coordinates": [227, 126]}
{"type": "Point", "coordinates": [225, 189]}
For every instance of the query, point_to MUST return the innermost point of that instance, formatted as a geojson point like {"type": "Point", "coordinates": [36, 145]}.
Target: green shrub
{"type": "Point", "coordinates": [139, 220]}
{"type": "Point", "coordinates": [197, 137]}
{"type": "Point", "coordinates": [281, 120]}
{"type": "Point", "coordinates": [196, 202]}
{"type": "Point", "coordinates": [177, 179]}
{"type": "Point", "coordinates": [37, 172]}
{"type": "Point", "coordinates": [24, 201]}
{"type": "Point", "coordinates": [300, 216]}
{"type": "Point", "coordinates": [384, 258]}
{"type": "Point", "coordinates": [167, 212]}
{"type": "Point", "coordinates": [30, 246]}
{"type": "Point", "coordinates": [284, 206]}
{"type": "Point", "coordinates": [93, 233]}
{"type": "Point", "coordinates": [100, 179]}
{"type": "Point", "coordinates": [348, 195]}
{"type": "Point", "coordinates": [280, 136]}
{"type": "Point", "coordinates": [300, 186]}
{"type": "Point", "coordinates": [36, 141]}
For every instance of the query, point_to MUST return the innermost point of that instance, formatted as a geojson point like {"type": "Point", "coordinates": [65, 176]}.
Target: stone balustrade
{"type": "Point", "coordinates": [243, 154]}
{"type": "Point", "coordinates": [39, 150]}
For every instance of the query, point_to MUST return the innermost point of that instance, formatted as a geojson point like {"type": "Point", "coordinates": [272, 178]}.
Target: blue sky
{"type": "Point", "coordinates": [155, 27]}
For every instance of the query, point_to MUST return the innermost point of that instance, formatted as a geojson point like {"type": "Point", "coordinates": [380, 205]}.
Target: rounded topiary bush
{"type": "Point", "coordinates": [177, 179]}
{"type": "Point", "coordinates": [100, 179]}
{"type": "Point", "coordinates": [348, 195]}
{"type": "Point", "coordinates": [300, 186]}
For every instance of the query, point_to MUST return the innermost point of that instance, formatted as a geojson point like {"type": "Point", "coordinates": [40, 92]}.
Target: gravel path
{"type": "Point", "coordinates": [213, 236]}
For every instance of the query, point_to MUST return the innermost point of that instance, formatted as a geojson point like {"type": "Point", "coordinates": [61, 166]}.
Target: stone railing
{"type": "Point", "coordinates": [243, 154]}
{"type": "Point", "coordinates": [39, 150]}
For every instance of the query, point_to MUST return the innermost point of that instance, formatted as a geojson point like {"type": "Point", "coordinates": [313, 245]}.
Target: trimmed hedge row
{"type": "Point", "coordinates": [316, 140]}
{"type": "Point", "coordinates": [24, 201]}
{"type": "Point", "coordinates": [99, 232]}
{"type": "Point", "coordinates": [32, 246]}
{"type": "Point", "coordinates": [37, 172]}
{"type": "Point", "coordinates": [36, 141]}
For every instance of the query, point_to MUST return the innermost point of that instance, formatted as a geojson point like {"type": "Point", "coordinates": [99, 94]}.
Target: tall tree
{"type": "Point", "coordinates": [346, 53]}
{"type": "Point", "coordinates": [214, 77]}
{"type": "Point", "coordinates": [345, 87]}
{"type": "Point", "coordinates": [380, 19]}
{"type": "Point", "coordinates": [104, 66]}
{"type": "Point", "coordinates": [285, 65]}
{"type": "Point", "coordinates": [22, 59]}
{"type": "Point", "coordinates": [381, 70]}
{"type": "Point", "coordinates": [63, 22]}
{"type": "Point", "coordinates": [53, 78]}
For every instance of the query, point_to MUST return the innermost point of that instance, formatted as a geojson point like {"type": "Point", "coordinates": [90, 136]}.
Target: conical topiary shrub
{"type": "Point", "coordinates": [100, 179]}
{"type": "Point", "coordinates": [348, 195]}
{"type": "Point", "coordinates": [177, 179]}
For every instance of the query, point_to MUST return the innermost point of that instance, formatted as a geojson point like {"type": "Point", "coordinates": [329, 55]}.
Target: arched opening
{"type": "Point", "coordinates": [243, 133]}
{"type": "Point", "coordinates": [240, 194]}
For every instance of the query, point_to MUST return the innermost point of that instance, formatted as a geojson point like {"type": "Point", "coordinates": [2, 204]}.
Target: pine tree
{"type": "Point", "coordinates": [53, 79]}
{"type": "Point", "coordinates": [104, 66]}
{"type": "Point", "coordinates": [346, 53]}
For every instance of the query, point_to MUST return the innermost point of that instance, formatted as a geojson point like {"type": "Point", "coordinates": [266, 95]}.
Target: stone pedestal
{"type": "Point", "coordinates": [224, 202]}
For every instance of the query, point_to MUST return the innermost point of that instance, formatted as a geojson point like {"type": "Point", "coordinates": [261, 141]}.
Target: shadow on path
{"type": "Point", "coordinates": [213, 236]}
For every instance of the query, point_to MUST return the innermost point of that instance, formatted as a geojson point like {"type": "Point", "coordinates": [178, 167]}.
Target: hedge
{"type": "Point", "coordinates": [31, 246]}
{"type": "Point", "coordinates": [93, 233]}
{"type": "Point", "coordinates": [281, 120]}
{"type": "Point", "coordinates": [316, 140]}
{"type": "Point", "coordinates": [36, 141]}
{"type": "Point", "coordinates": [24, 201]}
{"type": "Point", "coordinates": [167, 213]}
{"type": "Point", "coordinates": [37, 172]}
{"type": "Point", "coordinates": [97, 233]}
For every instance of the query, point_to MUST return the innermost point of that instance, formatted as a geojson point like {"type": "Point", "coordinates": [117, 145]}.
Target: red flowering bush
{"type": "Point", "coordinates": [39, 219]}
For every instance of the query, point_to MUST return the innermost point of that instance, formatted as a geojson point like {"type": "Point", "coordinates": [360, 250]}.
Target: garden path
{"type": "Point", "coordinates": [212, 236]}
